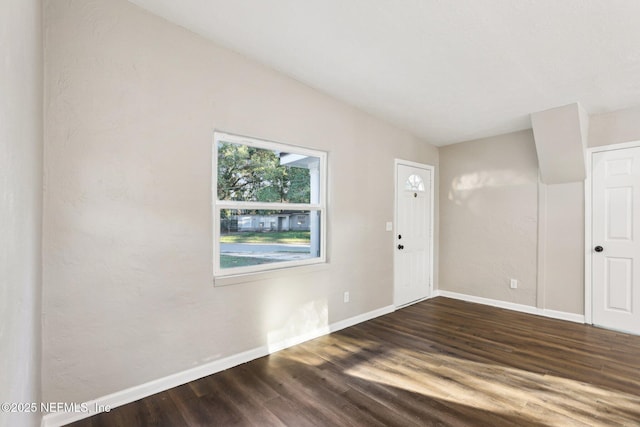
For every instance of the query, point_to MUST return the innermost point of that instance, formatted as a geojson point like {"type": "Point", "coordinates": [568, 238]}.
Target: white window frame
{"type": "Point", "coordinates": [218, 205]}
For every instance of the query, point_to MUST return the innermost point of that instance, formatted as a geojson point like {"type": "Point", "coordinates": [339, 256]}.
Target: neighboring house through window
{"type": "Point", "coordinates": [269, 205]}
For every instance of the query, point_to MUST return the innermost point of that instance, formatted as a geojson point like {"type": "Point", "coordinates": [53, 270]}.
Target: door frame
{"type": "Point", "coordinates": [588, 223]}
{"type": "Point", "coordinates": [431, 169]}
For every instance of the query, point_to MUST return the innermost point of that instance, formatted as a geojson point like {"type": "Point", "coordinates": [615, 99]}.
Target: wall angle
{"type": "Point", "coordinates": [561, 139]}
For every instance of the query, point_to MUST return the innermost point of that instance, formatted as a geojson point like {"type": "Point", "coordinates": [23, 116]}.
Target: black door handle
{"type": "Point", "coordinates": [400, 247]}
{"type": "Point", "coordinates": [598, 249]}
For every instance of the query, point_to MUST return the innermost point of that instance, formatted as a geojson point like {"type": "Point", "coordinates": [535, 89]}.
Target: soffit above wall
{"type": "Point", "coordinates": [448, 71]}
{"type": "Point", "coordinates": [561, 138]}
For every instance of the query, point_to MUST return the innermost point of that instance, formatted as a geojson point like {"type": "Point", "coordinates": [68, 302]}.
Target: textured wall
{"type": "Point", "coordinates": [562, 281]}
{"type": "Point", "coordinates": [561, 285]}
{"type": "Point", "coordinates": [499, 222]}
{"type": "Point", "coordinates": [20, 206]}
{"type": "Point", "coordinates": [488, 217]}
{"type": "Point", "coordinates": [131, 107]}
{"type": "Point", "coordinates": [615, 127]}
{"type": "Point", "coordinates": [561, 137]}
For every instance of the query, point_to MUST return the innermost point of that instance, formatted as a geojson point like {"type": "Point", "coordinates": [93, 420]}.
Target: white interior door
{"type": "Point", "coordinates": [412, 260]}
{"type": "Point", "coordinates": [615, 249]}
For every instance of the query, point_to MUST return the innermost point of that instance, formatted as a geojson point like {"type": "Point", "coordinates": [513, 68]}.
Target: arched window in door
{"type": "Point", "coordinates": [414, 183]}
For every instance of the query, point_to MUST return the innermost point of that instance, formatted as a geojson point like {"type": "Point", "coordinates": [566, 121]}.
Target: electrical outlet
{"type": "Point", "coordinates": [346, 297]}
{"type": "Point", "coordinates": [513, 284]}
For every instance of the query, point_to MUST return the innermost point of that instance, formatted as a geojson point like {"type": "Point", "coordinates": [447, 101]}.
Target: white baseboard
{"type": "Point", "coordinates": [132, 394]}
{"type": "Point", "coordinates": [561, 315]}
{"type": "Point", "coordinates": [334, 327]}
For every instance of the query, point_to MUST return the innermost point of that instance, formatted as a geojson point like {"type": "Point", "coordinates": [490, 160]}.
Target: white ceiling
{"type": "Point", "coordinates": [446, 70]}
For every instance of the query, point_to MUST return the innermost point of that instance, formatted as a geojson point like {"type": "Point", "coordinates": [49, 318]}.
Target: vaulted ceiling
{"type": "Point", "coordinates": [446, 70]}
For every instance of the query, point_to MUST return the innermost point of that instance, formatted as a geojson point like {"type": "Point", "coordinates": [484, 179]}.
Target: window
{"type": "Point", "coordinates": [414, 183]}
{"type": "Point", "coordinates": [269, 202]}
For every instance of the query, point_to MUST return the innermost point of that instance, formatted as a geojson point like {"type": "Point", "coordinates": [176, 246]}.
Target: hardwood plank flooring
{"type": "Point", "coordinates": [440, 362]}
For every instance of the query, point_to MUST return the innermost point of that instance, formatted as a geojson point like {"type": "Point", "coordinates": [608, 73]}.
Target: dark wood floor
{"type": "Point", "coordinates": [441, 362]}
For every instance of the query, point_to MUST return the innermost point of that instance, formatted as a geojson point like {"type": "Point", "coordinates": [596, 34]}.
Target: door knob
{"type": "Point", "coordinates": [598, 249]}
{"type": "Point", "coordinates": [400, 247]}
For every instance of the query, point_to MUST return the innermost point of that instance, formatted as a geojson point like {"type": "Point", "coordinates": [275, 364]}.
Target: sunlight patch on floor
{"type": "Point", "coordinates": [538, 397]}
{"type": "Point", "coordinates": [332, 349]}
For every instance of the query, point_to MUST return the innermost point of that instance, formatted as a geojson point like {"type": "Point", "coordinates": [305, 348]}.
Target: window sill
{"type": "Point", "coordinates": [237, 279]}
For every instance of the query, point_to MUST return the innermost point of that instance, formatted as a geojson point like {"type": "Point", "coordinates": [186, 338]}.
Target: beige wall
{"type": "Point", "coordinates": [561, 248]}
{"type": "Point", "coordinates": [486, 228]}
{"type": "Point", "coordinates": [131, 105]}
{"type": "Point", "coordinates": [132, 102]}
{"type": "Point", "coordinates": [561, 284]}
{"type": "Point", "coordinates": [20, 206]}
{"type": "Point", "coordinates": [560, 137]}
{"type": "Point", "coordinates": [488, 217]}
{"type": "Point", "coordinates": [615, 127]}
{"type": "Point", "coordinates": [499, 222]}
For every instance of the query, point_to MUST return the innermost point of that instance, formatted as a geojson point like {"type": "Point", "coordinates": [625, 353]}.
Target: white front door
{"type": "Point", "coordinates": [615, 246]}
{"type": "Point", "coordinates": [412, 260]}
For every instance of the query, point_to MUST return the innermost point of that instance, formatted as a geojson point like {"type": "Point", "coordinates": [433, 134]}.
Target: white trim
{"type": "Point", "coordinates": [262, 143]}
{"type": "Point", "coordinates": [270, 274]}
{"type": "Point", "coordinates": [334, 327]}
{"type": "Point", "coordinates": [342, 324]}
{"type": "Point", "coordinates": [588, 209]}
{"type": "Point", "coordinates": [132, 394]}
{"type": "Point", "coordinates": [228, 204]}
{"type": "Point", "coordinates": [431, 170]}
{"type": "Point", "coordinates": [618, 146]}
{"type": "Point", "coordinates": [414, 302]}
{"type": "Point", "coordinates": [588, 314]}
{"type": "Point", "coordinates": [217, 205]}
{"type": "Point", "coordinates": [542, 244]}
{"type": "Point", "coordinates": [413, 164]}
{"type": "Point", "coordinates": [561, 315]}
